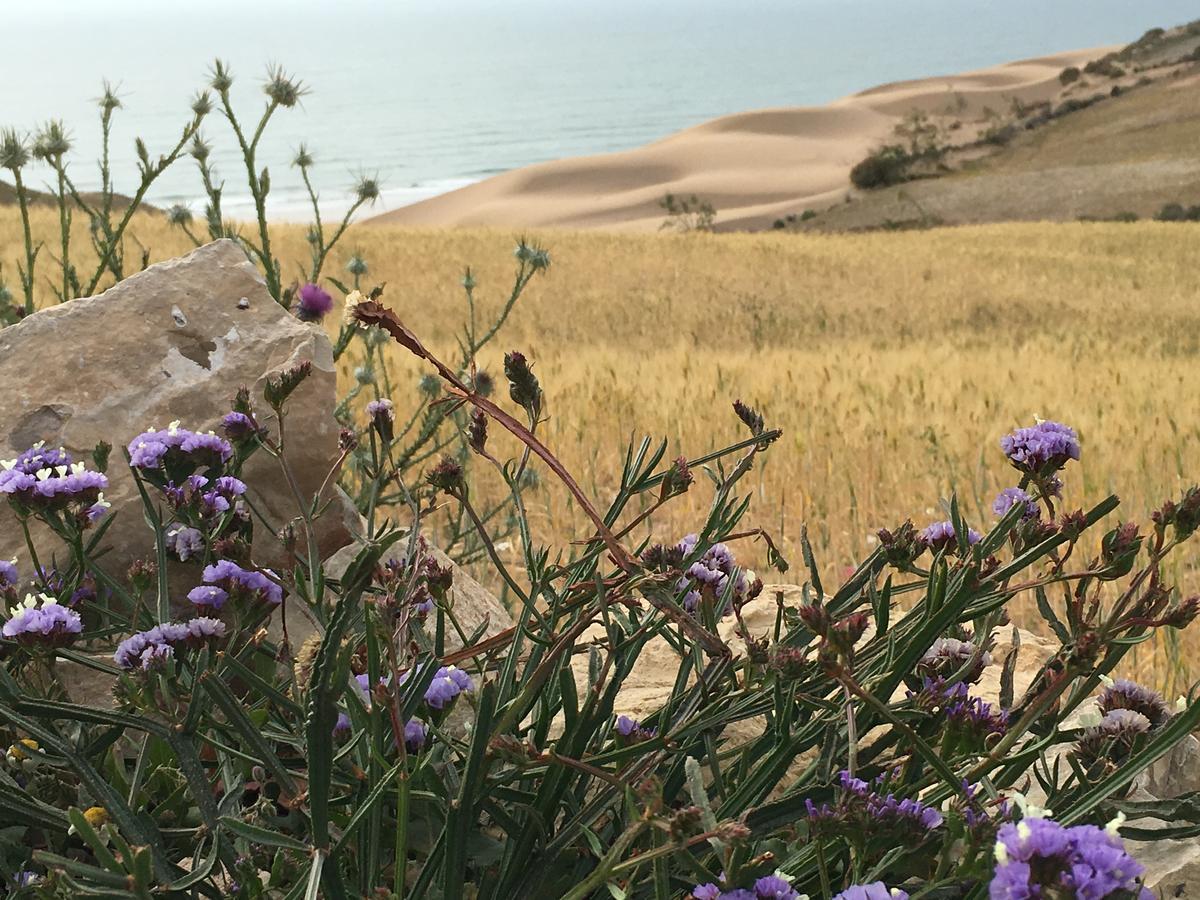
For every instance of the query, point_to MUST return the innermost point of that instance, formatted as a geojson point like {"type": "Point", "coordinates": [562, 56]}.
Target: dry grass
{"type": "Point", "coordinates": [893, 362]}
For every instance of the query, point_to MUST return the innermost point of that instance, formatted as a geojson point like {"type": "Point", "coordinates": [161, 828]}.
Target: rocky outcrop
{"type": "Point", "coordinates": [174, 342]}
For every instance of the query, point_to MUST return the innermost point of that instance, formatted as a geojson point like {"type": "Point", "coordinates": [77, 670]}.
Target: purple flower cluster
{"type": "Point", "coordinates": [315, 303]}
{"type": "Point", "coordinates": [1041, 858]}
{"type": "Point", "coordinates": [1125, 694]}
{"type": "Point", "coordinates": [1014, 496]}
{"type": "Point", "coordinates": [769, 887]}
{"type": "Point", "coordinates": [44, 479]}
{"type": "Point", "coordinates": [973, 718]}
{"type": "Point", "coordinates": [178, 450]}
{"type": "Point", "coordinates": [447, 684]}
{"type": "Point", "coordinates": [876, 890]}
{"type": "Point", "coordinates": [432, 581]}
{"type": "Point", "coordinates": [152, 648]}
{"type": "Point", "coordinates": [863, 808]}
{"type": "Point", "coordinates": [940, 537]}
{"type": "Point", "coordinates": [239, 583]}
{"type": "Point", "coordinates": [710, 575]}
{"type": "Point", "coordinates": [183, 542]}
{"type": "Point", "coordinates": [238, 426]}
{"type": "Point", "coordinates": [8, 574]}
{"type": "Point", "coordinates": [1042, 448]}
{"type": "Point", "coordinates": [208, 498]}
{"type": "Point", "coordinates": [631, 730]}
{"type": "Point", "coordinates": [42, 620]}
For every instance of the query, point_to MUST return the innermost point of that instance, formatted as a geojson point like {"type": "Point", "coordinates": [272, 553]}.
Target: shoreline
{"type": "Point", "coordinates": [754, 166]}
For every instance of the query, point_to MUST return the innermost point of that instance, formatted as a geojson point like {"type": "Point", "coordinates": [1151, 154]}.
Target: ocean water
{"type": "Point", "coordinates": [431, 97]}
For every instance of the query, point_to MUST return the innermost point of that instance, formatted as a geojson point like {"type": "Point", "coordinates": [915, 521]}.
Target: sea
{"type": "Point", "coordinates": [428, 97]}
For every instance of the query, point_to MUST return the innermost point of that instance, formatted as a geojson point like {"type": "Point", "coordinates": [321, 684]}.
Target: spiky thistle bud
{"type": "Point", "coordinates": [220, 77]}
{"type": "Point", "coordinates": [357, 266]}
{"type": "Point", "coordinates": [303, 158]}
{"type": "Point", "coordinates": [14, 150]}
{"type": "Point", "coordinates": [52, 143]}
{"type": "Point", "coordinates": [282, 89]}
{"type": "Point", "coordinates": [179, 215]}
{"type": "Point", "coordinates": [202, 104]}
{"type": "Point", "coordinates": [366, 189]}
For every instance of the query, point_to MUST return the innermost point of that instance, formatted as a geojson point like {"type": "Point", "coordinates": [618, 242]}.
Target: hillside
{"type": "Point", "coordinates": [1128, 155]}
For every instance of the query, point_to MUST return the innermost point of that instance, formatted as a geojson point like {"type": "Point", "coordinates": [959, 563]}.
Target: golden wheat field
{"type": "Point", "coordinates": [892, 361]}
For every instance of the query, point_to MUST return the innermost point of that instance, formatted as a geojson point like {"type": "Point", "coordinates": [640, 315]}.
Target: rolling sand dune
{"type": "Point", "coordinates": [753, 167]}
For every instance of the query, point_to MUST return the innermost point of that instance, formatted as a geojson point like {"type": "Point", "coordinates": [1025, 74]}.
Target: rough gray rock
{"type": "Point", "coordinates": [174, 342]}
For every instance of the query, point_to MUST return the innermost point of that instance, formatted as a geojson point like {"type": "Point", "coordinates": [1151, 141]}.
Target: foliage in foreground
{"type": "Point", "coordinates": [395, 754]}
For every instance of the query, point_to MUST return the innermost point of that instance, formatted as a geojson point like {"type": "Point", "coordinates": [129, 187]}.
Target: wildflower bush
{"type": "Point", "coordinates": [845, 750]}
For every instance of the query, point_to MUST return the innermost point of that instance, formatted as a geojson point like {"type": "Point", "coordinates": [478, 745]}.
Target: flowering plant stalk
{"type": "Point", "coordinates": [841, 745]}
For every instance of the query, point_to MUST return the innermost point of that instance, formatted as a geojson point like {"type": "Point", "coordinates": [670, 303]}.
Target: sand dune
{"type": "Point", "coordinates": [753, 167]}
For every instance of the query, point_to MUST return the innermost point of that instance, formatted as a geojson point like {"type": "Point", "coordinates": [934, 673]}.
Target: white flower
{"type": "Point", "coordinates": [1180, 701]}
{"type": "Point", "coordinates": [353, 299]}
{"type": "Point", "coordinates": [1115, 824]}
{"type": "Point", "coordinates": [1001, 853]}
{"type": "Point", "coordinates": [1106, 681]}
{"type": "Point", "coordinates": [1029, 809]}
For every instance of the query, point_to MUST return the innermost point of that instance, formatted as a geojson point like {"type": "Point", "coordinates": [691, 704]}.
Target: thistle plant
{"type": "Point", "coordinates": [282, 92]}
{"type": "Point", "coordinates": [110, 215]}
{"type": "Point", "coordinates": [836, 744]}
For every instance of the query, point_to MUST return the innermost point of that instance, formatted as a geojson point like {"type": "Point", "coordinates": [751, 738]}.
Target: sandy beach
{"type": "Point", "coordinates": [754, 167]}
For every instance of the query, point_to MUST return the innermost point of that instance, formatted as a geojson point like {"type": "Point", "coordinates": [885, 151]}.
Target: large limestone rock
{"type": "Point", "coordinates": [174, 342]}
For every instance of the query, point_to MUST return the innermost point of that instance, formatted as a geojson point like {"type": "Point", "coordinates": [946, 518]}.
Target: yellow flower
{"type": "Point", "coordinates": [96, 816]}
{"type": "Point", "coordinates": [17, 752]}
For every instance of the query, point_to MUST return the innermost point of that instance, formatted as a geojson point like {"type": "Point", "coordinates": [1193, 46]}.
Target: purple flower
{"type": "Point", "coordinates": [876, 890]}
{"type": "Point", "coordinates": [940, 537]}
{"type": "Point", "coordinates": [238, 426]}
{"type": "Point", "coordinates": [43, 621]}
{"type": "Point", "coordinates": [130, 653]}
{"type": "Point", "coordinates": [1010, 497]}
{"type": "Point", "coordinates": [447, 684]}
{"type": "Point", "coordinates": [632, 730]}
{"type": "Point", "coordinates": [8, 574]}
{"type": "Point", "coordinates": [239, 582]}
{"type": "Point", "coordinates": [229, 487]}
{"type": "Point", "coordinates": [341, 728]}
{"type": "Point", "coordinates": [178, 450]}
{"type": "Point", "coordinates": [184, 542]}
{"type": "Point", "coordinates": [710, 575]}
{"type": "Point", "coordinates": [1125, 694]}
{"type": "Point", "coordinates": [862, 810]}
{"type": "Point", "coordinates": [156, 656]}
{"type": "Point", "coordinates": [315, 303]}
{"type": "Point", "coordinates": [48, 480]}
{"type": "Point", "coordinates": [773, 887]}
{"type": "Point", "coordinates": [1042, 448]}
{"type": "Point", "coordinates": [706, 892]}
{"type": "Point", "coordinates": [415, 735]}
{"type": "Point", "coordinates": [1081, 861]}
{"type": "Point", "coordinates": [208, 596]}
{"type": "Point", "coordinates": [203, 629]}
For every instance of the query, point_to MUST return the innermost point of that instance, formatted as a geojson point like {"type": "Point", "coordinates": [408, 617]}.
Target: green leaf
{"type": "Point", "coordinates": [258, 835]}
